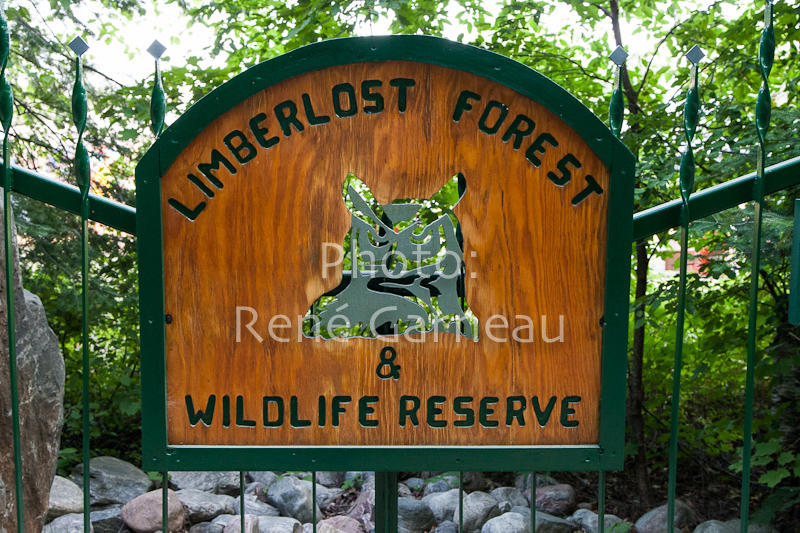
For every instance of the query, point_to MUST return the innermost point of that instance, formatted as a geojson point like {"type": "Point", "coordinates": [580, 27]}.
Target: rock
{"type": "Point", "coordinates": [216, 482]}
{"type": "Point", "coordinates": [112, 480]}
{"type": "Point", "coordinates": [403, 491]}
{"type": "Point", "coordinates": [547, 523]}
{"type": "Point", "coordinates": [206, 527]}
{"type": "Point", "coordinates": [65, 498]}
{"type": "Point", "coordinates": [233, 524]}
{"type": "Point", "coordinates": [441, 483]}
{"type": "Point", "coordinates": [68, 523]}
{"type": "Point", "coordinates": [40, 393]}
{"type": "Point", "coordinates": [107, 519]}
{"type": "Point", "coordinates": [655, 520]}
{"type": "Point", "coordinates": [511, 495]}
{"type": "Point", "coordinates": [363, 509]}
{"type": "Point", "coordinates": [446, 527]}
{"type": "Point", "coordinates": [557, 500]}
{"type": "Point", "coordinates": [524, 511]}
{"type": "Point", "coordinates": [254, 507]}
{"type": "Point", "coordinates": [478, 508]}
{"type": "Point", "coordinates": [735, 526]}
{"type": "Point", "coordinates": [257, 489]}
{"type": "Point", "coordinates": [143, 513]}
{"type": "Point", "coordinates": [326, 496]}
{"type": "Point", "coordinates": [714, 526]}
{"type": "Point", "coordinates": [413, 516]}
{"type": "Point", "coordinates": [589, 521]}
{"type": "Point", "coordinates": [442, 504]}
{"type": "Point", "coordinates": [266, 478]}
{"type": "Point", "coordinates": [279, 524]}
{"type": "Point", "coordinates": [339, 524]}
{"type": "Point", "coordinates": [523, 481]}
{"type": "Point", "coordinates": [473, 481]}
{"type": "Point", "coordinates": [504, 507]}
{"type": "Point", "coordinates": [330, 479]}
{"type": "Point", "coordinates": [356, 479]}
{"type": "Point", "coordinates": [292, 497]}
{"type": "Point", "coordinates": [415, 483]}
{"type": "Point", "coordinates": [507, 523]}
{"type": "Point", "coordinates": [201, 506]}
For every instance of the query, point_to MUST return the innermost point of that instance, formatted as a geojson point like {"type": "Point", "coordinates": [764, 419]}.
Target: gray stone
{"type": "Point", "coordinates": [266, 478]}
{"type": "Point", "coordinates": [446, 527]}
{"type": "Point", "coordinates": [257, 489]}
{"type": "Point", "coordinates": [590, 521]}
{"type": "Point", "coordinates": [278, 524]}
{"type": "Point", "coordinates": [655, 520]}
{"type": "Point", "coordinates": [413, 516]}
{"type": "Point", "coordinates": [523, 481]}
{"type": "Point", "coordinates": [442, 504]}
{"type": "Point", "coordinates": [206, 527]}
{"type": "Point", "coordinates": [403, 491]}
{"type": "Point", "coordinates": [356, 478]}
{"type": "Point", "coordinates": [143, 514]}
{"type": "Point", "coordinates": [292, 497]}
{"type": "Point", "coordinates": [107, 520]}
{"type": "Point", "coordinates": [68, 523]}
{"type": "Point", "coordinates": [504, 507]}
{"type": "Point", "coordinates": [233, 524]}
{"type": "Point", "coordinates": [547, 523]}
{"type": "Point", "coordinates": [255, 507]}
{"type": "Point", "coordinates": [65, 498]}
{"type": "Point", "coordinates": [113, 480]}
{"type": "Point", "coordinates": [441, 483]}
{"type": "Point", "coordinates": [557, 500]}
{"type": "Point", "coordinates": [330, 479]}
{"type": "Point", "coordinates": [752, 528]}
{"type": "Point", "coordinates": [40, 388]}
{"type": "Point", "coordinates": [339, 524]}
{"type": "Point", "coordinates": [326, 496]}
{"type": "Point", "coordinates": [524, 511]}
{"type": "Point", "coordinates": [415, 483]}
{"type": "Point", "coordinates": [363, 509]}
{"type": "Point", "coordinates": [202, 506]}
{"type": "Point", "coordinates": [714, 526]}
{"type": "Point", "coordinates": [478, 508]}
{"type": "Point", "coordinates": [216, 482]}
{"type": "Point", "coordinates": [507, 523]}
{"type": "Point", "coordinates": [473, 481]}
{"type": "Point", "coordinates": [511, 495]}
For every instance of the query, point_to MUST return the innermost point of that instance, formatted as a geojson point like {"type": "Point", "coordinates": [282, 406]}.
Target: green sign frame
{"type": "Point", "coordinates": [608, 454]}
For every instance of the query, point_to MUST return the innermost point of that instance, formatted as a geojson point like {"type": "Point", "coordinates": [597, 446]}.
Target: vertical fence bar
{"type": "Point", "coordinates": [601, 501]}
{"type": "Point", "coordinates": [794, 283]}
{"type": "Point", "coordinates": [241, 502]}
{"type": "Point", "coordinates": [460, 501]}
{"type": "Point", "coordinates": [83, 177]}
{"type": "Point", "coordinates": [164, 502]}
{"type": "Point", "coordinates": [385, 502]}
{"type": "Point", "coordinates": [687, 168]}
{"type": "Point", "coordinates": [314, 501]}
{"type": "Point", "coordinates": [533, 502]}
{"type": "Point", "coordinates": [6, 115]}
{"type": "Point", "coordinates": [766, 54]}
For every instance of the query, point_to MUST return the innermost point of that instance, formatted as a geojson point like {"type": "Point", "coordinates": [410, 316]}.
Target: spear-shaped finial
{"type": "Point", "coordinates": [690, 113]}
{"type": "Point", "coordinates": [79, 110]}
{"type": "Point", "coordinates": [158, 107]}
{"type": "Point", "coordinates": [617, 106]}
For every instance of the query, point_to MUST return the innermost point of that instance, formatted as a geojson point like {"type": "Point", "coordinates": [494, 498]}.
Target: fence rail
{"type": "Point", "coordinates": [692, 206]}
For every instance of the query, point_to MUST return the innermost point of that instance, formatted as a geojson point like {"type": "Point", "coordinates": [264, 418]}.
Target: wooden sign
{"type": "Point", "coordinates": [394, 252]}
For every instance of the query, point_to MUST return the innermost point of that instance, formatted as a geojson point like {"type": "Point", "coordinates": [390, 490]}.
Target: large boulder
{"type": "Point", "coordinates": [413, 516]}
{"type": "Point", "coordinates": [107, 519]}
{"type": "Point", "coordinates": [278, 524]}
{"type": "Point", "coordinates": [478, 508]}
{"type": "Point", "coordinates": [202, 506]}
{"type": "Point", "coordinates": [339, 524]}
{"type": "Point", "coordinates": [216, 482]}
{"type": "Point", "coordinates": [363, 509]}
{"type": "Point", "coordinates": [507, 523]}
{"type": "Point", "coordinates": [655, 520]}
{"type": "Point", "coordinates": [512, 495]}
{"type": "Point", "coordinates": [143, 514]}
{"type": "Point", "coordinates": [557, 500]}
{"type": "Point", "coordinates": [65, 498]}
{"type": "Point", "coordinates": [112, 480]}
{"type": "Point", "coordinates": [68, 523]}
{"type": "Point", "coordinates": [442, 504]}
{"type": "Point", "coordinates": [590, 521]}
{"type": "Point", "coordinates": [293, 497]}
{"type": "Point", "coordinates": [40, 391]}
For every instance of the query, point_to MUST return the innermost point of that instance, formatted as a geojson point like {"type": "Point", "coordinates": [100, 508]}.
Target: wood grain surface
{"type": "Point", "coordinates": [258, 243]}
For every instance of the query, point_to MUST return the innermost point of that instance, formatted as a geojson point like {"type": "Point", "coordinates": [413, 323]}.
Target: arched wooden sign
{"type": "Point", "coordinates": [385, 253]}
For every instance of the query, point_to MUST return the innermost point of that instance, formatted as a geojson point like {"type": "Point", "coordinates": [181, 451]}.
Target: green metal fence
{"type": "Point", "coordinates": [678, 213]}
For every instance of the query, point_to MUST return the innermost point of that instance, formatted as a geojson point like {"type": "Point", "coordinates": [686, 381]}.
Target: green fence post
{"type": "Point", "coordinates": [6, 115]}
{"type": "Point", "coordinates": [616, 114]}
{"type": "Point", "coordinates": [386, 502]}
{"type": "Point", "coordinates": [690, 115]}
{"type": "Point", "coordinates": [766, 55]}
{"type": "Point", "coordinates": [794, 284]}
{"type": "Point", "coordinates": [83, 177]}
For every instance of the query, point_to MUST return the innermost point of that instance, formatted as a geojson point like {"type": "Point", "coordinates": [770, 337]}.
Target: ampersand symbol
{"type": "Point", "coordinates": [386, 368]}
